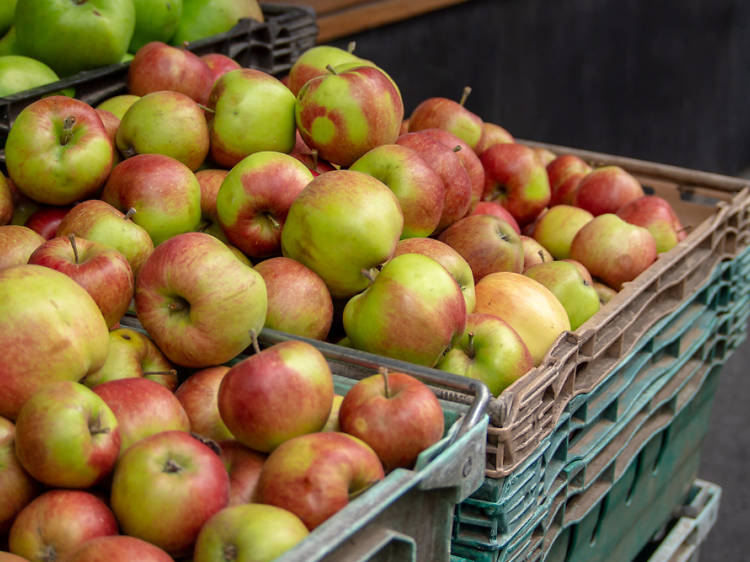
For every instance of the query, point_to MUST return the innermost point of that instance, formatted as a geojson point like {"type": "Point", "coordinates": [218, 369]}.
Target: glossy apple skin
{"type": "Point", "coordinates": [398, 423]}
{"type": "Point", "coordinates": [298, 300]}
{"type": "Point", "coordinates": [284, 391]}
{"type": "Point", "coordinates": [118, 105]}
{"type": "Point", "coordinates": [158, 66]}
{"type": "Point", "coordinates": [613, 250]}
{"type": "Point", "coordinates": [419, 189]}
{"type": "Point", "coordinates": [344, 115]}
{"type": "Point", "coordinates": [492, 208]}
{"type": "Point", "coordinates": [341, 223]}
{"type": "Point", "coordinates": [444, 113]}
{"type": "Point", "coordinates": [165, 487]}
{"type": "Point", "coordinates": [142, 408]}
{"type": "Point", "coordinates": [17, 243]}
{"type": "Point", "coordinates": [198, 395]}
{"type": "Point", "coordinates": [254, 531]}
{"type": "Point", "coordinates": [102, 271]}
{"type": "Point", "coordinates": [17, 488]}
{"type": "Point", "coordinates": [244, 466]}
{"type": "Point", "coordinates": [528, 306]}
{"type": "Point", "coordinates": [488, 350]}
{"type": "Point", "coordinates": [66, 436]}
{"type": "Point", "coordinates": [556, 228]}
{"type": "Point", "coordinates": [314, 475]}
{"type": "Point", "coordinates": [45, 220]}
{"type": "Point", "coordinates": [657, 215]}
{"type": "Point", "coordinates": [313, 62]}
{"type": "Point", "coordinates": [606, 189]}
{"type": "Point", "coordinates": [198, 301]}
{"type": "Point", "coordinates": [412, 311]}
{"type": "Point", "coordinates": [55, 163]}
{"type": "Point", "coordinates": [119, 548]}
{"type": "Point", "coordinates": [487, 243]}
{"type": "Point", "coordinates": [446, 256]}
{"type": "Point", "coordinates": [219, 64]}
{"type": "Point", "coordinates": [254, 199]}
{"type": "Point", "coordinates": [492, 134]}
{"type": "Point", "coordinates": [533, 252]}
{"type": "Point", "coordinates": [516, 179]}
{"type": "Point", "coordinates": [209, 180]}
{"type": "Point", "coordinates": [565, 173]}
{"type": "Point", "coordinates": [50, 330]}
{"type": "Point", "coordinates": [58, 522]}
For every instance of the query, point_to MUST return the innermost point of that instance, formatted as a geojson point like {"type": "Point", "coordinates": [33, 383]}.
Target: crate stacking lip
{"type": "Point", "coordinates": [600, 432]}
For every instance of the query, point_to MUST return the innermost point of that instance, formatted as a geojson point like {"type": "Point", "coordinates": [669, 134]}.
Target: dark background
{"type": "Point", "coordinates": [664, 81]}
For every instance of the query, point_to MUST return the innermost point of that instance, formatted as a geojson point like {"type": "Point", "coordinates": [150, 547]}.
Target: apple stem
{"type": "Point", "coordinates": [470, 345]}
{"type": "Point", "coordinates": [67, 132]}
{"type": "Point", "coordinates": [129, 214]}
{"type": "Point", "coordinates": [177, 305]}
{"type": "Point", "coordinates": [254, 338]}
{"type": "Point", "coordinates": [541, 256]}
{"type": "Point", "coordinates": [330, 69]}
{"type": "Point", "coordinates": [457, 148]}
{"type": "Point", "coordinates": [351, 46]}
{"type": "Point", "coordinates": [368, 273]}
{"type": "Point", "coordinates": [167, 372]}
{"type": "Point", "coordinates": [314, 156]}
{"type": "Point", "coordinates": [273, 220]}
{"type": "Point", "coordinates": [465, 95]}
{"type": "Point", "coordinates": [72, 238]}
{"type": "Point", "coordinates": [206, 108]}
{"type": "Point", "coordinates": [384, 372]}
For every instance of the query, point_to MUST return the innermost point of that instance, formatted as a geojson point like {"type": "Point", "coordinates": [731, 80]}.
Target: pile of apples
{"type": "Point", "coordinates": [401, 237]}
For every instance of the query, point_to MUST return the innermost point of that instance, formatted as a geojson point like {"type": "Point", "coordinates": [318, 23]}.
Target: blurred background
{"type": "Point", "coordinates": [663, 81]}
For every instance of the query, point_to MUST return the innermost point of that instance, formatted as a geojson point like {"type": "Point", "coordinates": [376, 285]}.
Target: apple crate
{"type": "Point", "coordinates": [597, 427]}
{"type": "Point", "coordinates": [272, 46]}
{"type": "Point", "coordinates": [681, 540]}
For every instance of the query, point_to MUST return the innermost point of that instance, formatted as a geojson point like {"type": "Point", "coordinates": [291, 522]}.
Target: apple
{"type": "Point", "coordinates": [447, 164]}
{"type": "Point", "coordinates": [310, 159]}
{"type": "Point", "coordinates": [7, 202]}
{"type": "Point", "coordinates": [556, 228]}
{"type": "Point", "coordinates": [343, 223]}
{"type": "Point", "coordinates": [74, 36]}
{"type": "Point", "coordinates": [345, 114]}
{"type": "Point", "coordinates": [487, 243]}
{"type": "Point", "coordinates": [165, 487]}
{"type": "Point", "coordinates": [533, 252]}
{"type": "Point", "coordinates": [332, 424]}
{"type": "Point", "coordinates": [111, 123]}
{"type": "Point", "coordinates": [203, 18]}
{"type": "Point", "coordinates": [492, 208]}
{"type": "Point", "coordinates": [209, 180]}
{"type": "Point", "coordinates": [574, 292]}
{"type": "Point", "coordinates": [613, 250]}
{"type": "Point", "coordinates": [58, 150]}
{"type": "Point", "coordinates": [17, 243]}
{"type": "Point", "coordinates": [419, 189]}
{"type": "Point", "coordinates": [492, 134]}
{"type": "Point", "coordinates": [7, 11]}
{"type": "Point", "coordinates": [516, 179]}
{"type": "Point", "coordinates": [56, 523]}
{"type": "Point", "coordinates": [162, 190]}
{"type": "Point", "coordinates": [606, 189]}
{"type": "Point", "coordinates": [45, 220]}
{"type": "Point", "coordinates": [276, 394]}
{"type": "Point", "coordinates": [249, 532]}
{"type": "Point", "coordinates": [17, 488]}
{"type": "Point", "coordinates": [100, 222]}
{"type": "Point", "coordinates": [198, 301]}
{"type": "Point", "coordinates": [118, 105]}
{"type": "Point", "coordinates": [315, 475]}
{"type": "Point", "coordinates": [565, 173]}
{"type": "Point", "coordinates": [444, 113]}
{"type": "Point", "coordinates": [581, 269]}
{"type": "Point", "coordinates": [118, 548]}
{"type": "Point", "coordinates": [103, 272]}
{"type": "Point", "coordinates": [198, 395]}
{"type": "Point", "coordinates": [50, 330]}
{"type": "Point", "coordinates": [604, 292]}
{"type": "Point", "coordinates": [527, 306]}
{"type": "Point", "coordinates": [446, 256]}
{"type": "Point", "coordinates": [19, 73]}
{"type": "Point", "coordinates": [395, 414]}
{"type": "Point", "coordinates": [314, 62]}
{"type": "Point", "coordinates": [75, 428]}
{"type": "Point", "coordinates": [298, 300]}
{"type": "Point", "coordinates": [219, 64]}
{"type": "Point", "coordinates": [165, 122]}
{"type": "Point", "coordinates": [657, 215]}
{"type": "Point", "coordinates": [155, 20]}
{"type": "Point", "coordinates": [254, 199]}
{"type": "Point", "coordinates": [544, 155]}
{"type": "Point", "coordinates": [412, 311]}
{"type": "Point", "coordinates": [249, 111]}
{"type": "Point", "coordinates": [244, 466]}
{"type": "Point", "coordinates": [489, 350]}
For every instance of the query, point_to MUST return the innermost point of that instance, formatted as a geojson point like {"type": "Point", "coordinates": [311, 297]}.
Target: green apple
{"type": "Point", "coordinates": [155, 20]}
{"type": "Point", "coordinates": [202, 18]}
{"type": "Point", "coordinates": [71, 36]}
{"type": "Point", "coordinates": [315, 61]}
{"type": "Point", "coordinates": [18, 73]}
{"type": "Point", "coordinates": [7, 13]}
{"type": "Point", "coordinates": [9, 43]}
{"type": "Point", "coordinates": [342, 223]}
{"type": "Point", "coordinates": [556, 228]}
{"type": "Point", "coordinates": [118, 105]}
{"type": "Point", "coordinates": [575, 293]}
{"type": "Point", "coordinates": [412, 311]}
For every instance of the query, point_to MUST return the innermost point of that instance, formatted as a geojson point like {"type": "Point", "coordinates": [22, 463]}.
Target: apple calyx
{"type": "Point", "coordinates": [229, 553]}
{"type": "Point", "coordinates": [541, 257]}
{"type": "Point", "coordinates": [171, 466]}
{"type": "Point", "coordinates": [386, 387]}
{"type": "Point", "coordinates": [67, 132]}
{"type": "Point", "coordinates": [178, 304]}
{"type": "Point", "coordinates": [464, 95]}
{"type": "Point", "coordinates": [72, 238]}
{"type": "Point", "coordinates": [48, 553]}
{"type": "Point", "coordinates": [330, 69]}
{"type": "Point", "coordinates": [457, 148]}
{"type": "Point", "coordinates": [129, 152]}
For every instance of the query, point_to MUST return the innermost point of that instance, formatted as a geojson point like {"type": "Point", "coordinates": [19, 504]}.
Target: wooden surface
{"type": "Point", "coordinates": [337, 18]}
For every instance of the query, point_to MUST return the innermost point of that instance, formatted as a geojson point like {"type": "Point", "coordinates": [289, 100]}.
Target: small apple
{"type": "Point", "coordinates": [556, 228]}
{"type": "Point", "coordinates": [17, 243]}
{"type": "Point", "coordinates": [606, 189]}
{"type": "Point", "coordinates": [565, 173]}
{"type": "Point", "coordinates": [533, 252]}
{"type": "Point", "coordinates": [198, 395]}
{"type": "Point", "coordinates": [444, 113]}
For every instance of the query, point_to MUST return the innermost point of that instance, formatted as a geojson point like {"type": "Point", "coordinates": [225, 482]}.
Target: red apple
{"type": "Point", "coordinates": [444, 113]}
{"type": "Point", "coordinates": [17, 243]}
{"type": "Point", "coordinates": [533, 252]}
{"type": "Point", "coordinates": [209, 180]}
{"type": "Point", "coordinates": [219, 64]}
{"type": "Point", "coordinates": [198, 395]}
{"type": "Point", "coordinates": [17, 488]}
{"type": "Point", "coordinates": [118, 548]}
{"type": "Point", "coordinates": [657, 215]}
{"type": "Point", "coordinates": [244, 466]}
{"type": "Point", "coordinates": [565, 173]}
{"type": "Point", "coordinates": [606, 189]}
{"type": "Point", "coordinates": [492, 208]}
{"type": "Point", "coordinates": [45, 220]}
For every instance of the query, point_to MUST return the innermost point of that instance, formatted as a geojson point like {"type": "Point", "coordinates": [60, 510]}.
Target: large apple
{"type": "Point", "coordinates": [198, 301]}
{"type": "Point", "coordinates": [76, 431]}
{"type": "Point", "coordinates": [17, 243]}
{"type": "Point", "coordinates": [395, 414]}
{"type": "Point", "coordinates": [657, 215]}
{"type": "Point", "coordinates": [342, 223]}
{"type": "Point", "coordinates": [19, 73]}
{"type": "Point", "coordinates": [606, 189]}
{"type": "Point", "coordinates": [198, 395]}
{"type": "Point", "coordinates": [58, 150]}
{"type": "Point", "coordinates": [17, 488]}
{"type": "Point", "coordinates": [74, 36]}
{"type": "Point", "coordinates": [50, 330]}
{"type": "Point", "coordinates": [155, 20]}
{"type": "Point", "coordinates": [556, 228]}
{"type": "Point", "coordinates": [314, 475]}
{"type": "Point", "coordinates": [412, 311]}
{"type": "Point", "coordinates": [203, 18]}
{"type": "Point", "coordinates": [444, 113]}
{"type": "Point", "coordinates": [244, 466]}
{"type": "Point", "coordinates": [298, 300]}
{"type": "Point", "coordinates": [284, 391]}
{"type": "Point", "coordinates": [162, 190]}
{"type": "Point", "coordinates": [56, 523]}
{"type": "Point", "coordinates": [118, 548]}
{"type": "Point", "coordinates": [254, 199]}
{"type": "Point", "coordinates": [165, 487]}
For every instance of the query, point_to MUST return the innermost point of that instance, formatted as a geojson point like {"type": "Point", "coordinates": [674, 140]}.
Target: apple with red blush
{"type": "Point", "coordinates": [565, 173]}
{"type": "Point", "coordinates": [657, 215]}
{"type": "Point", "coordinates": [606, 189]}
{"type": "Point", "coordinates": [198, 395]}
{"type": "Point", "coordinates": [447, 114]}
{"type": "Point", "coordinates": [244, 466]}
{"type": "Point", "coordinates": [17, 243]}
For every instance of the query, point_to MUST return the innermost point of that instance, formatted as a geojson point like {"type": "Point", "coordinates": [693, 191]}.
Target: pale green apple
{"type": "Point", "coordinates": [118, 105]}
{"type": "Point", "coordinates": [19, 73]}
{"type": "Point", "coordinates": [155, 20]}
{"type": "Point", "coordinates": [203, 18]}
{"type": "Point", "coordinates": [556, 228]}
